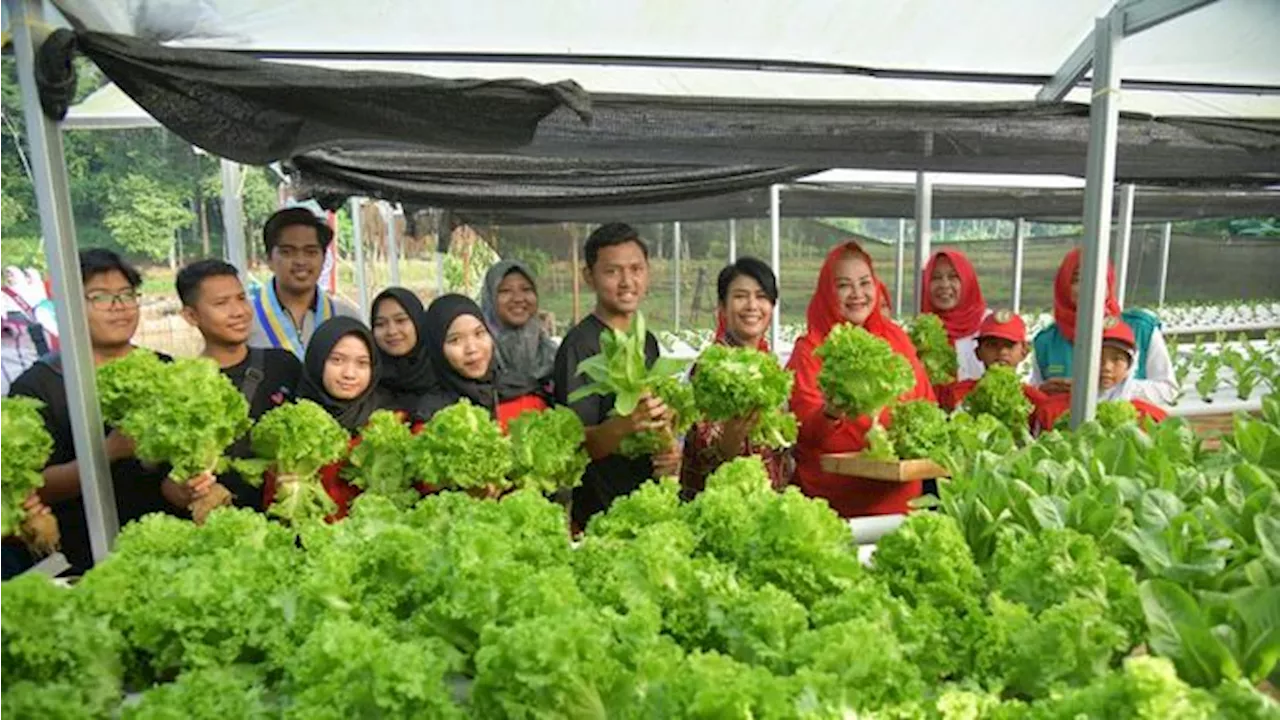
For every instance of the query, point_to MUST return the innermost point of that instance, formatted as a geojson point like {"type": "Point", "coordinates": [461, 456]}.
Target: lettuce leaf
{"type": "Point", "coordinates": [25, 446]}
{"type": "Point", "coordinates": [860, 372]}
{"type": "Point", "coordinates": [461, 447]}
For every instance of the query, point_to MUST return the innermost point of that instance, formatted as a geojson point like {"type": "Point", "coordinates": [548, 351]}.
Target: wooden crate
{"type": "Point", "coordinates": [854, 465]}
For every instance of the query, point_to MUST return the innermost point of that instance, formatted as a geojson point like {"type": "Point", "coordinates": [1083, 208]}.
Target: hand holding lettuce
{"type": "Point", "coordinates": [25, 446]}
{"type": "Point", "coordinates": [185, 413]}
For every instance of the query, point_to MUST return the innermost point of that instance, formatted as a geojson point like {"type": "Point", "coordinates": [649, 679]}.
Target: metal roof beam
{"type": "Point", "coordinates": [1137, 15]}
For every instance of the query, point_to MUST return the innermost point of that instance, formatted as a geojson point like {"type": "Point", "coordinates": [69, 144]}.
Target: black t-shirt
{"type": "Point", "coordinates": [613, 476]}
{"type": "Point", "coordinates": [277, 373]}
{"type": "Point", "coordinates": [137, 489]}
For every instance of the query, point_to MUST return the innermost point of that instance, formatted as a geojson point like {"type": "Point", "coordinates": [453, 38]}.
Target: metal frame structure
{"type": "Point", "coordinates": [49, 171]}
{"type": "Point", "coordinates": [53, 197]}
{"type": "Point", "coordinates": [1104, 116]}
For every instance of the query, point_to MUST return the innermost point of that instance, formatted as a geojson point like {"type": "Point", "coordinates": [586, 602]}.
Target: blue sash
{"type": "Point", "coordinates": [278, 324]}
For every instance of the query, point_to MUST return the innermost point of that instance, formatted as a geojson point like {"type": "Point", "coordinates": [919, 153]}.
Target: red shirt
{"type": "Point", "coordinates": [1055, 406]}
{"type": "Point", "coordinates": [950, 396]}
{"type": "Point", "coordinates": [821, 435]}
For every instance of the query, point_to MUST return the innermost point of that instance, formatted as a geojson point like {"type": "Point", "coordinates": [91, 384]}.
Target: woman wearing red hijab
{"type": "Point", "coordinates": [952, 292]}
{"type": "Point", "coordinates": [1153, 379]}
{"type": "Point", "coordinates": [748, 293]}
{"type": "Point", "coordinates": [846, 293]}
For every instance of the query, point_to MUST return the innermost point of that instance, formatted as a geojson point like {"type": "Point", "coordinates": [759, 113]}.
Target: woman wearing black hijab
{"type": "Point", "coordinates": [462, 355]}
{"type": "Point", "coordinates": [340, 374]}
{"type": "Point", "coordinates": [402, 349]}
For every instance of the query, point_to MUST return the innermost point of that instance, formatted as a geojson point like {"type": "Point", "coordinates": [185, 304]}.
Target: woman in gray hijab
{"type": "Point", "coordinates": [510, 305]}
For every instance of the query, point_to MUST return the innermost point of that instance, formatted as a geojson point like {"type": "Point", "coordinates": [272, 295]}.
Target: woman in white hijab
{"type": "Point", "coordinates": [510, 305]}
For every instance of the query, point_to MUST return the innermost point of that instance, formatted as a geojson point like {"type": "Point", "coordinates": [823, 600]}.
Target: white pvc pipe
{"type": "Point", "coordinates": [924, 222]}
{"type": "Point", "coordinates": [900, 267]}
{"type": "Point", "coordinates": [1124, 236]}
{"type": "Point", "coordinates": [675, 256]}
{"type": "Point", "coordinates": [233, 215]}
{"type": "Point", "coordinates": [357, 239]}
{"type": "Point", "coordinates": [1019, 251]}
{"type": "Point", "coordinates": [1166, 239]}
{"type": "Point", "coordinates": [733, 240]}
{"type": "Point", "coordinates": [775, 257]}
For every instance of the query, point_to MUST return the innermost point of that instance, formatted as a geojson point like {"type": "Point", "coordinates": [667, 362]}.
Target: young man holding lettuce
{"type": "Point", "coordinates": [112, 306]}
{"type": "Point", "coordinates": [215, 302]}
{"type": "Point", "coordinates": [617, 269]}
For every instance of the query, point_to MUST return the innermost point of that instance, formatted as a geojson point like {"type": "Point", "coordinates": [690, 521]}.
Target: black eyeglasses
{"type": "Point", "coordinates": [106, 300]}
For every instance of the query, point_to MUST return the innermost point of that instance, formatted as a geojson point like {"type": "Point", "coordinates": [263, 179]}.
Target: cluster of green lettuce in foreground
{"type": "Point", "coordinates": [742, 603]}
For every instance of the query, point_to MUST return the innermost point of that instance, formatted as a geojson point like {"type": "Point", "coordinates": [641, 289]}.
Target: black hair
{"type": "Point", "coordinates": [289, 217]}
{"type": "Point", "coordinates": [192, 276]}
{"type": "Point", "coordinates": [611, 235]}
{"type": "Point", "coordinates": [751, 267]}
{"type": "Point", "coordinates": [99, 261]}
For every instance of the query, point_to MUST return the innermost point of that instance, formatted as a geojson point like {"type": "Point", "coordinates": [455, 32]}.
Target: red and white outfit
{"type": "Point", "coordinates": [820, 434]}
{"type": "Point", "coordinates": [962, 321]}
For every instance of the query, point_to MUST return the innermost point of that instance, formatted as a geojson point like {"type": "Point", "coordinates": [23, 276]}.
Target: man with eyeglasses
{"type": "Point", "coordinates": [215, 303]}
{"type": "Point", "coordinates": [111, 306]}
{"type": "Point", "coordinates": [287, 310]}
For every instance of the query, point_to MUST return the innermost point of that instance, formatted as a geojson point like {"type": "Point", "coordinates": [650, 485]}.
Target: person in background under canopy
{"type": "Point", "coordinates": [847, 292]}
{"type": "Point", "coordinates": [407, 374]}
{"type": "Point", "coordinates": [1153, 379]}
{"type": "Point", "coordinates": [510, 304]}
{"type": "Point", "coordinates": [340, 373]}
{"type": "Point", "coordinates": [617, 269]}
{"type": "Point", "coordinates": [461, 351]}
{"type": "Point", "coordinates": [1119, 350]}
{"type": "Point", "coordinates": [748, 292]}
{"type": "Point", "coordinates": [215, 303]}
{"type": "Point", "coordinates": [288, 309]}
{"type": "Point", "coordinates": [112, 301]}
{"type": "Point", "coordinates": [1002, 340]}
{"type": "Point", "coordinates": [952, 292]}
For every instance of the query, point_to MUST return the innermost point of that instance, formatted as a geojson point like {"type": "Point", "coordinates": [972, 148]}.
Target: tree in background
{"type": "Point", "coordinates": [137, 191]}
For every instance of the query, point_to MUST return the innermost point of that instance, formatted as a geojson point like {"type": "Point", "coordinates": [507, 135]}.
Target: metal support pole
{"type": "Point", "coordinates": [733, 241]}
{"type": "Point", "coordinates": [53, 197]}
{"type": "Point", "coordinates": [444, 234]}
{"type": "Point", "coordinates": [1123, 238]}
{"type": "Point", "coordinates": [393, 247]}
{"type": "Point", "coordinates": [1166, 240]}
{"type": "Point", "coordinates": [675, 280]}
{"type": "Point", "coordinates": [357, 239]}
{"type": "Point", "coordinates": [775, 258]}
{"type": "Point", "coordinates": [1100, 169]}
{"type": "Point", "coordinates": [576, 270]}
{"type": "Point", "coordinates": [924, 222]}
{"type": "Point", "coordinates": [233, 215]}
{"type": "Point", "coordinates": [899, 267]}
{"type": "Point", "coordinates": [1019, 250]}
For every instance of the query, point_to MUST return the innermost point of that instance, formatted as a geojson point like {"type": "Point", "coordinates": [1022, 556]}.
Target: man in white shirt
{"type": "Point", "coordinates": [287, 310]}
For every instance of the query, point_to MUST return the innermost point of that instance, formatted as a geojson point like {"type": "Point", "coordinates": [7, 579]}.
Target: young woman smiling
{"type": "Point", "coordinates": [340, 373]}
{"type": "Point", "coordinates": [466, 367]}
{"type": "Point", "coordinates": [510, 304]}
{"type": "Point", "coordinates": [748, 293]}
{"type": "Point", "coordinates": [952, 292]}
{"type": "Point", "coordinates": [407, 374]}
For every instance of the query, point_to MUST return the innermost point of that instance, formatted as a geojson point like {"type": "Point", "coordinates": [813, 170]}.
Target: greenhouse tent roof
{"type": "Point", "coordinates": [987, 51]}
{"type": "Point", "coordinates": [920, 87]}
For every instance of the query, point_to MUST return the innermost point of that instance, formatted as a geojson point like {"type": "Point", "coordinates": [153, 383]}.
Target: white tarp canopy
{"type": "Point", "coordinates": [1221, 60]}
